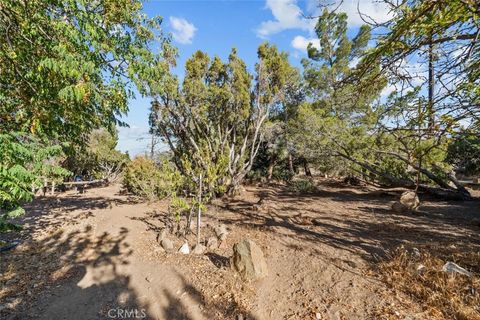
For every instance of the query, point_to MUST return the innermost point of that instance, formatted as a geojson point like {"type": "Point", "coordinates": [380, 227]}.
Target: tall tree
{"type": "Point", "coordinates": [335, 119]}
{"type": "Point", "coordinates": [213, 122]}
{"type": "Point", "coordinates": [67, 67]}
{"type": "Point", "coordinates": [429, 51]}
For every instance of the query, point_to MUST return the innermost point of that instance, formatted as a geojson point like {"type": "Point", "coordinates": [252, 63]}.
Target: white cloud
{"type": "Point", "coordinates": [183, 31]}
{"type": "Point", "coordinates": [388, 90]}
{"type": "Point", "coordinates": [301, 43]}
{"type": "Point", "coordinates": [133, 139]}
{"type": "Point", "coordinates": [370, 9]}
{"type": "Point", "coordinates": [287, 14]}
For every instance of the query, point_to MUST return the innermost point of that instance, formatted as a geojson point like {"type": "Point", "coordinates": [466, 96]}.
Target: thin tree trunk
{"type": "Point", "coordinates": [306, 168]}
{"type": "Point", "coordinates": [199, 210]}
{"type": "Point", "coordinates": [290, 164]}
{"type": "Point", "coordinates": [271, 166]}
{"type": "Point", "coordinates": [431, 88]}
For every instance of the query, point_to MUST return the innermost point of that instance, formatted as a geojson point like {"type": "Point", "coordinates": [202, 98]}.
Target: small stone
{"type": "Point", "coordinates": [162, 235]}
{"type": "Point", "coordinates": [451, 267]}
{"type": "Point", "coordinates": [212, 243]}
{"type": "Point", "coordinates": [318, 316]}
{"type": "Point", "coordinates": [199, 249]}
{"type": "Point", "coordinates": [185, 249]}
{"type": "Point", "coordinates": [167, 244]}
{"type": "Point", "coordinates": [221, 230]}
{"type": "Point", "coordinates": [239, 316]}
{"type": "Point", "coordinates": [421, 269]}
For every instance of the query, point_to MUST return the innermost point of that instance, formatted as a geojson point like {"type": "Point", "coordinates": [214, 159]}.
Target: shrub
{"type": "Point", "coordinates": [302, 186]}
{"type": "Point", "coordinates": [146, 179]}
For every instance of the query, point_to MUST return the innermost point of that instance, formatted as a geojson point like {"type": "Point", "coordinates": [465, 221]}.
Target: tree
{"type": "Point", "coordinates": [331, 127]}
{"type": "Point", "coordinates": [430, 51]}
{"type": "Point", "coordinates": [213, 123]}
{"type": "Point", "coordinates": [24, 163]}
{"type": "Point", "coordinates": [69, 66]}
{"type": "Point", "coordinates": [98, 158]}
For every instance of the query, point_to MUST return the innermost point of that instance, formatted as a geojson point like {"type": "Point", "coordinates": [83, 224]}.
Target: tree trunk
{"type": "Point", "coordinates": [431, 88]}
{"type": "Point", "coordinates": [199, 210]}
{"type": "Point", "coordinates": [271, 166]}
{"type": "Point", "coordinates": [306, 168]}
{"type": "Point", "coordinates": [290, 164]}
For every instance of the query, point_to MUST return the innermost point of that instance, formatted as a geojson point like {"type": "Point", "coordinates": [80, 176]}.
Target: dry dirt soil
{"type": "Point", "coordinates": [95, 256]}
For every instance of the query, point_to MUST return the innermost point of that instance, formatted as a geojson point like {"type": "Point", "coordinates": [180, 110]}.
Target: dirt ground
{"type": "Point", "coordinates": [95, 256]}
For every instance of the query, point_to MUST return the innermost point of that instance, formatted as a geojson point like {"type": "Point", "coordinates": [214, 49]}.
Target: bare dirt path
{"type": "Point", "coordinates": [95, 256]}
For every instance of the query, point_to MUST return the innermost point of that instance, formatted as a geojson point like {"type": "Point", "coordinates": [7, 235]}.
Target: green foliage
{"type": "Point", "coordinates": [24, 163]}
{"type": "Point", "coordinates": [98, 158]}
{"type": "Point", "coordinates": [144, 178]}
{"type": "Point", "coordinates": [213, 122]}
{"type": "Point", "coordinates": [464, 153]}
{"type": "Point", "coordinates": [66, 66]}
{"type": "Point", "coordinates": [302, 186]}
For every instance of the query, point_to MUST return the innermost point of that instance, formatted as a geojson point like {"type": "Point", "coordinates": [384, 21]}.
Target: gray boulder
{"type": "Point", "coordinates": [451, 267]}
{"type": "Point", "coordinates": [248, 260]}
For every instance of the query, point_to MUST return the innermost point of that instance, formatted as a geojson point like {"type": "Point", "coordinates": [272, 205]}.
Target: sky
{"type": "Point", "coordinates": [217, 26]}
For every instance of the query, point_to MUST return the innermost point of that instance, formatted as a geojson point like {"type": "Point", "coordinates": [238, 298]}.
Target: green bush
{"type": "Point", "coordinates": [146, 179]}
{"type": "Point", "coordinates": [302, 186]}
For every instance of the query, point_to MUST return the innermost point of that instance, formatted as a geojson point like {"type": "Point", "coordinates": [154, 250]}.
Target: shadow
{"type": "Point", "coordinates": [356, 220]}
{"type": "Point", "coordinates": [68, 276]}
{"type": "Point", "coordinates": [51, 212]}
{"type": "Point", "coordinates": [220, 308]}
{"type": "Point", "coordinates": [218, 260]}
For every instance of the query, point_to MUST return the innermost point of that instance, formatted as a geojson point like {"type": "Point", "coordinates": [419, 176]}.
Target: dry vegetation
{"type": "Point", "coordinates": [418, 272]}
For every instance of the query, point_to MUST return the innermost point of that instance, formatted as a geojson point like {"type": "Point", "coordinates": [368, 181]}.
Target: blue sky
{"type": "Point", "coordinates": [215, 26]}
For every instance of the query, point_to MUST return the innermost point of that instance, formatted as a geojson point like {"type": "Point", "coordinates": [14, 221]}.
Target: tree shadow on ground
{"type": "Point", "coordinates": [67, 276]}
{"type": "Point", "coordinates": [357, 221]}
{"type": "Point", "coordinates": [222, 308]}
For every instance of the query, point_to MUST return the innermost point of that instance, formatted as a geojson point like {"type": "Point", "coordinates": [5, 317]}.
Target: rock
{"type": "Point", "coordinates": [199, 249]}
{"type": "Point", "coordinates": [239, 316]}
{"type": "Point", "coordinates": [318, 316]}
{"type": "Point", "coordinates": [185, 249]}
{"type": "Point", "coordinates": [451, 267]}
{"type": "Point", "coordinates": [221, 231]}
{"type": "Point", "coordinates": [167, 244]}
{"type": "Point", "coordinates": [161, 235]}
{"type": "Point", "coordinates": [416, 253]}
{"type": "Point", "coordinates": [408, 202]}
{"type": "Point", "coordinates": [212, 243]}
{"type": "Point", "coordinates": [248, 260]}
{"type": "Point", "coordinates": [421, 269]}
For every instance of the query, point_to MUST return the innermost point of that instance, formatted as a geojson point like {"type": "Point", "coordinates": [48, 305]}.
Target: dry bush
{"type": "Point", "coordinates": [442, 295]}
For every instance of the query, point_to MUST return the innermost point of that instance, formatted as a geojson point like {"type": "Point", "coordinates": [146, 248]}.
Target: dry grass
{"type": "Point", "coordinates": [442, 295]}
